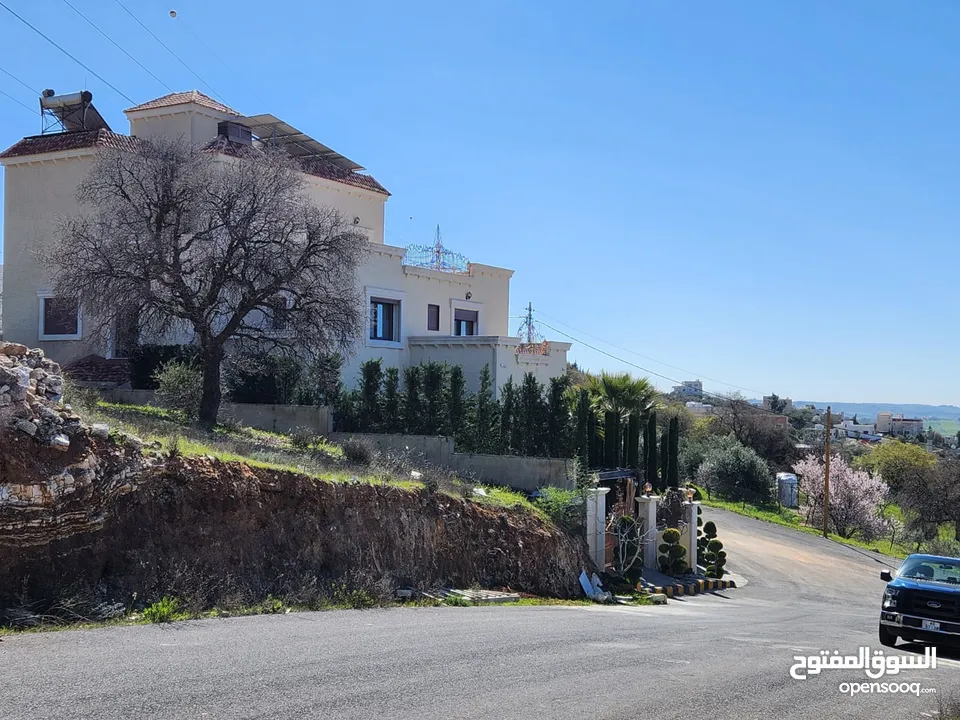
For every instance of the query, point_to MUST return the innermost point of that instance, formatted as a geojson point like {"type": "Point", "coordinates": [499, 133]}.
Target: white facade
{"type": "Point", "coordinates": [896, 424]}
{"type": "Point", "coordinates": [414, 313]}
{"type": "Point", "coordinates": [689, 388]}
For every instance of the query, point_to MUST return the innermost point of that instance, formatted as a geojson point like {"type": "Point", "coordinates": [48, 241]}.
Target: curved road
{"type": "Point", "coordinates": [725, 655]}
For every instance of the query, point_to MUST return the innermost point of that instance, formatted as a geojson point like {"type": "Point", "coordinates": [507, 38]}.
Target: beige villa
{"type": "Point", "coordinates": [424, 305]}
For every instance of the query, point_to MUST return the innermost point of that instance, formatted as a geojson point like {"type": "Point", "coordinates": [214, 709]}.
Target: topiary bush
{"type": "Point", "coordinates": [714, 556]}
{"type": "Point", "coordinates": [673, 555]}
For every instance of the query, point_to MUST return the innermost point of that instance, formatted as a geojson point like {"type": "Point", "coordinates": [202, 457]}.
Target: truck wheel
{"type": "Point", "coordinates": [887, 638]}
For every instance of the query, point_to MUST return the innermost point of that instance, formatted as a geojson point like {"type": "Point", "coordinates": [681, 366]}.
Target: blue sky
{"type": "Point", "coordinates": [761, 193]}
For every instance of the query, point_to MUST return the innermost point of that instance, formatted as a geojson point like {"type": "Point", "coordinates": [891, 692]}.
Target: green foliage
{"type": "Point", "coordinates": [147, 360]}
{"type": "Point", "coordinates": [434, 398]}
{"type": "Point", "coordinates": [353, 598]}
{"type": "Point", "coordinates": [621, 393]}
{"type": "Point", "coordinates": [737, 473]}
{"type": "Point", "coordinates": [673, 453]}
{"type": "Point", "coordinates": [179, 387]}
{"type": "Point", "coordinates": [264, 379]}
{"type": "Point", "coordinates": [583, 414]}
{"type": "Point", "coordinates": [664, 457]}
{"type": "Point", "coordinates": [530, 428]}
{"type": "Point", "coordinates": [565, 508]}
{"type": "Point", "coordinates": [358, 452]}
{"type": "Point", "coordinates": [456, 402]}
{"type": "Point", "coordinates": [165, 610]}
{"type": "Point", "coordinates": [508, 412]}
{"type": "Point", "coordinates": [594, 442]}
{"type": "Point", "coordinates": [413, 400]}
{"type": "Point", "coordinates": [673, 555]}
{"type": "Point", "coordinates": [485, 431]}
{"type": "Point", "coordinates": [711, 550]}
{"type": "Point", "coordinates": [633, 441]}
{"type": "Point", "coordinates": [392, 420]}
{"type": "Point", "coordinates": [558, 429]}
{"type": "Point", "coordinates": [611, 439]}
{"type": "Point", "coordinates": [897, 462]}
{"type": "Point", "coordinates": [370, 411]}
{"type": "Point", "coordinates": [650, 452]}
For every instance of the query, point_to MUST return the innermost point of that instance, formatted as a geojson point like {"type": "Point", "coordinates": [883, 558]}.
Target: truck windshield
{"type": "Point", "coordinates": [945, 571]}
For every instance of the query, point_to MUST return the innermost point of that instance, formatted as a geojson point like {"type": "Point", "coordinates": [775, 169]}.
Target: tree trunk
{"type": "Point", "coordinates": [211, 395]}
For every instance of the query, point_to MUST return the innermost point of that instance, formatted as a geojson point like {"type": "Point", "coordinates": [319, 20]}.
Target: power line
{"type": "Point", "coordinates": [10, 74]}
{"type": "Point", "coordinates": [72, 57]}
{"type": "Point", "coordinates": [167, 48]}
{"type": "Point", "coordinates": [21, 104]}
{"type": "Point", "coordinates": [659, 362]}
{"type": "Point", "coordinates": [116, 45]}
{"type": "Point", "coordinates": [647, 370]}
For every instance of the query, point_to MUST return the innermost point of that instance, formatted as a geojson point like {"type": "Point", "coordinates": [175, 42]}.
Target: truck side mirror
{"type": "Point", "coordinates": [886, 576]}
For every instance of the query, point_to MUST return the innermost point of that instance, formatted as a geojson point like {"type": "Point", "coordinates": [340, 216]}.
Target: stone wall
{"type": "Point", "coordinates": [273, 418]}
{"type": "Point", "coordinates": [517, 472]}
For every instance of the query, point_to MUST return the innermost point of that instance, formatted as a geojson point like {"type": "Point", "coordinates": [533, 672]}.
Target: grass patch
{"type": "Point", "coordinates": [786, 517]}
{"type": "Point", "coordinates": [163, 611]}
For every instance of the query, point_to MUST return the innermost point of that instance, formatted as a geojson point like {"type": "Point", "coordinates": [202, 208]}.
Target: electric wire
{"type": "Point", "coordinates": [68, 54]}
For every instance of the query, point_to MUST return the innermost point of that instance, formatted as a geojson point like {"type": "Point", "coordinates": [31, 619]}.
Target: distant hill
{"type": "Point", "coordinates": [868, 411]}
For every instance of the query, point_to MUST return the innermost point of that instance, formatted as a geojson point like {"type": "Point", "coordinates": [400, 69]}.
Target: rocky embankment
{"type": "Point", "coordinates": [89, 516]}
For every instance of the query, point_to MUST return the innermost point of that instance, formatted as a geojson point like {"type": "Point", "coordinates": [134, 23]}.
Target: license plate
{"type": "Point", "coordinates": [930, 625]}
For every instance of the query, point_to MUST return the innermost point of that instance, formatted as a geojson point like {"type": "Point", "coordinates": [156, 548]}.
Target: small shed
{"type": "Point", "coordinates": [787, 489]}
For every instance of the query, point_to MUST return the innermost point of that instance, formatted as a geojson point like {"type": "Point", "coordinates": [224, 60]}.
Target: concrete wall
{"type": "Point", "coordinates": [520, 473]}
{"type": "Point", "coordinates": [273, 418]}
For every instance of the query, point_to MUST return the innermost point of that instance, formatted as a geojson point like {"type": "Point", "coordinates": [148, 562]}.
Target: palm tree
{"type": "Point", "coordinates": [621, 393]}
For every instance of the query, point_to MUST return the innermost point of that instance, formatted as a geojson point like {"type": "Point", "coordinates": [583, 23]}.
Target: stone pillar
{"type": "Point", "coordinates": [596, 525]}
{"type": "Point", "coordinates": [690, 512]}
{"type": "Point", "coordinates": [647, 514]}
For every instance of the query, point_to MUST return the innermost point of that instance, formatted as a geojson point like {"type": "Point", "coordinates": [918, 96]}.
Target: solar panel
{"type": "Point", "coordinates": [271, 130]}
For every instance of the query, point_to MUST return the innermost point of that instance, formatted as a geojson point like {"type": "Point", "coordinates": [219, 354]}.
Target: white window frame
{"type": "Point", "coordinates": [42, 297]}
{"type": "Point", "coordinates": [397, 296]}
{"type": "Point", "coordinates": [455, 305]}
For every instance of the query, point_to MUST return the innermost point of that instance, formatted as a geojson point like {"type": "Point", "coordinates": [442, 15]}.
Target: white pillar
{"type": "Point", "coordinates": [690, 509]}
{"type": "Point", "coordinates": [647, 514]}
{"type": "Point", "coordinates": [596, 525]}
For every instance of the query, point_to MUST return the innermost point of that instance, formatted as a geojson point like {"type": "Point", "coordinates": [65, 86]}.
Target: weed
{"type": "Point", "coordinates": [358, 452]}
{"type": "Point", "coordinates": [354, 598]}
{"type": "Point", "coordinates": [165, 610]}
{"type": "Point", "coordinates": [458, 601]}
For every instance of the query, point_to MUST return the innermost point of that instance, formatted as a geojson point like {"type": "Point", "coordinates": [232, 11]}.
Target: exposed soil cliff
{"type": "Point", "coordinates": [88, 514]}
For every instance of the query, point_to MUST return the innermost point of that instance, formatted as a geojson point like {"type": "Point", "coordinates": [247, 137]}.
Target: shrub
{"type": "Point", "coordinates": [303, 438]}
{"type": "Point", "coordinates": [712, 549]}
{"type": "Point", "coordinates": [564, 507]}
{"type": "Point", "coordinates": [179, 387]}
{"type": "Point", "coordinates": [262, 378]}
{"type": "Point", "coordinates": [672, 553]}
{"type": "Point", "coordinates": [358, 452]}
{"type": "Point", "coordinates": [162, 611]}
{"type": "Point", "coordinates": [736, 473]}
{"type": "Point", "coordinates": [147, 360]}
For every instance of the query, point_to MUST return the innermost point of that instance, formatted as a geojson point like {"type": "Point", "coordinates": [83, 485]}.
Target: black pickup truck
{"type": "Point", "coordinates": [922, 601]}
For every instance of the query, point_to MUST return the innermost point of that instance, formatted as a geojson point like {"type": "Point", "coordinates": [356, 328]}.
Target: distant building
{"type": "Point", "coordinates": [896, 424]}
{"type": "Point", "coordinates": [699, 409]}
{"type": "Point", "coordinates": [689, 389]}
{"type": "Point", "coordinates": [784, 405]}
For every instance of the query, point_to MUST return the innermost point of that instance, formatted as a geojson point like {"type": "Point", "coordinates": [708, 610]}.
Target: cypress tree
{"type": "Point", "coordinates": [434, 376]}
{"type": "Point", "coordinates": [594, 449]}
{"type": "Point", "coordinates": [584, 413]}
{"type": "Point", "coordinates": [558, 418]}
{"type": "Point", "coordinates": [673, 464]}
{"type": "Point", "coordinates": [664, 458]}
{"type": "Point", "coordinates": [456, 403]}
{"type": "Point", "coordinates": [412, 400]}
{"type": "Point", "coordinates": [391, 401]}
{"type": "Point", "coordinates": [650, 450]}
{"type": "Point", "coordinates": [633, 441]}
{"type": "Point", "coordinates": [371, 378]}
{"type": "Point", "coordinates": [611, 439]}
{"type": "Point", "coordinates": [530, 428]}
{"type": "Point", "coordinates": [486, 432]}
{"type": "Point", "coordinates": [508, 411]}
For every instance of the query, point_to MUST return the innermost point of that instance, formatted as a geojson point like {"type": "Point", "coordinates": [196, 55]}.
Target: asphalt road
{"type": "Point", "coordinates": [720, 656]}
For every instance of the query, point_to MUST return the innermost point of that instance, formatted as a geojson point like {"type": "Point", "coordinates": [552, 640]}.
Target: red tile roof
{"type": "Point", "coordinates": [182, 98]}
{"type": "Point", "coordinates": [94, 368]}
{"type": "Point", "coordinates": [312, 166]}
{"type": "Point", "coordinates": [59, 142]}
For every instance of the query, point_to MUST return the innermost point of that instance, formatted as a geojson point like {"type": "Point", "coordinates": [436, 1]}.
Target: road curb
{"type": "Point", "coordinates": [695, 587]}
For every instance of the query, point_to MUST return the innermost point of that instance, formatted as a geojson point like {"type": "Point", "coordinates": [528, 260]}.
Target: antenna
{"type": "Point", "coordinates": [534, 343]}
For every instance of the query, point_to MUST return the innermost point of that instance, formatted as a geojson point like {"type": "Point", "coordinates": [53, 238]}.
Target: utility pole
{"type": "Point", "coordinates": [826, 480]}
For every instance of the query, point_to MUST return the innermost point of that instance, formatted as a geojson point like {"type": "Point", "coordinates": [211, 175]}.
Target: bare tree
{"type": "Point", "coordinates": [226, 246]}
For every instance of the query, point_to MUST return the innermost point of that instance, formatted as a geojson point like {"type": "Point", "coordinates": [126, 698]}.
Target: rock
{"type": "Point", "coordinates": [25, 426]}
{"type": "Point", "coordinates": [100, 431]}
{"type": "Point", "coordinates": [5, 400]}
{"type": "Point", "coordinates": [658, 598]}
{"type": "Point", "coordinates": [134, 442]}
{"type": "Point", "coordinates": [13, 349]}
